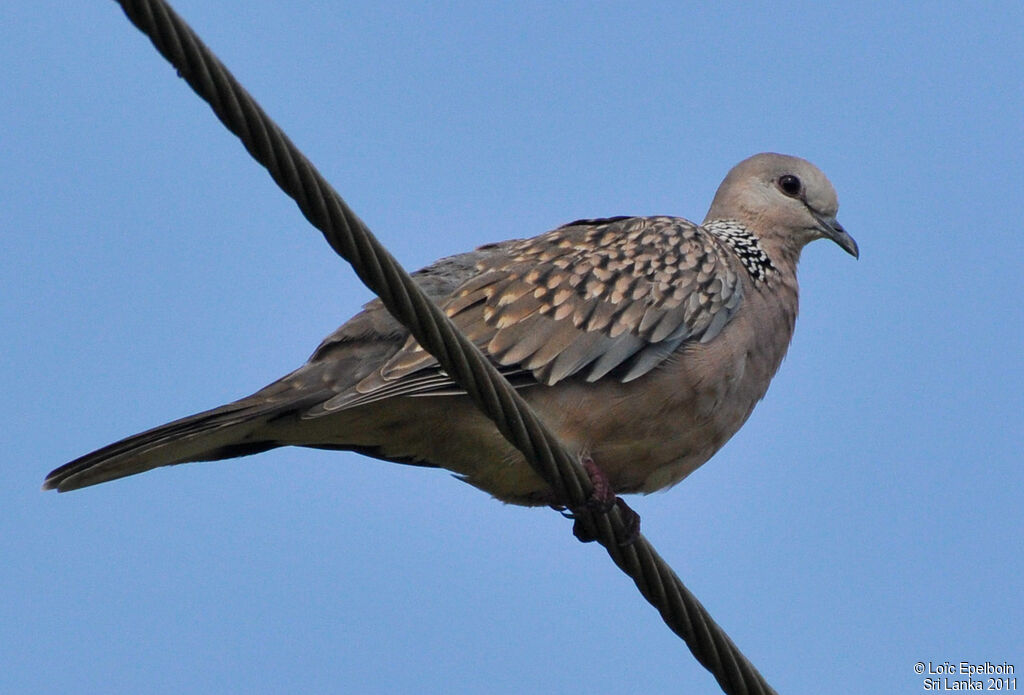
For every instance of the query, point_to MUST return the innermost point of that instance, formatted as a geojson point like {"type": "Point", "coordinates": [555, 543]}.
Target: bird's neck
{"type": "Point", "coordinates": [784, 253]}
{"type": "Point", "coordinates": [770, 261]}
{"type": "Point", "coordinates": [738, 238]}
{"type": "Point", "coordinates": [765, 259]}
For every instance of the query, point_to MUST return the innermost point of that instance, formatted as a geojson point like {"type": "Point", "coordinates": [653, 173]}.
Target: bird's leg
{"type": "Point", "coordinates": [601, 501]}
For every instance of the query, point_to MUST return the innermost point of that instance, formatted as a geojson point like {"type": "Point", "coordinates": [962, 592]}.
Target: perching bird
{"type": "Point", "coordinates": [643, 342]}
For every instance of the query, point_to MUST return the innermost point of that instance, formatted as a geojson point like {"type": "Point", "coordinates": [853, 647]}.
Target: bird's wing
{"type": "Point", "coordinates": [611, 297]}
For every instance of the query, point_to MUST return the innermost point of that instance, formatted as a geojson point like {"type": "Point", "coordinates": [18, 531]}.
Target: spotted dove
{"type": "Point", "coordinates": [643, 342]}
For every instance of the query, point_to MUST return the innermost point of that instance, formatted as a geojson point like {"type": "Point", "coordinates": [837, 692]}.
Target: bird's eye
{"type": "Point", "coordinates": [790, 185]}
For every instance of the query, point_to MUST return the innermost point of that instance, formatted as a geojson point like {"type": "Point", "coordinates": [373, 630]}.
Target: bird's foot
{"type": "Point", "coordinates": [630, 520]}
{"type": "Point", "coordinates": [602, 500]}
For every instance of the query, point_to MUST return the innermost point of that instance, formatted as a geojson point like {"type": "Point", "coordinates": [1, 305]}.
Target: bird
{"type": "Point", "coordinates": [644, 343]}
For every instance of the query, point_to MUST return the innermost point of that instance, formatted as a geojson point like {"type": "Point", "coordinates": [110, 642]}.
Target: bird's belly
{"type": "Point", "coordinates": [644, 437]}
{"type": "Point", "coordinates": [649, 442]}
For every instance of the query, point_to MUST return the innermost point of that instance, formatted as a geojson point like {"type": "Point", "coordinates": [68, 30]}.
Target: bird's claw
{"type": "Point", "coordinates": [602, 500]}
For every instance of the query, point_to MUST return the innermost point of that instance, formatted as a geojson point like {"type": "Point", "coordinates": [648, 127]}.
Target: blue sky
{"type": "Point", "coordinates": [867, 517]}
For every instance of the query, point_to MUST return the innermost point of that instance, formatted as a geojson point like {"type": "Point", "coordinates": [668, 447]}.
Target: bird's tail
{"type": "Point", "coordinates": [225, 432]}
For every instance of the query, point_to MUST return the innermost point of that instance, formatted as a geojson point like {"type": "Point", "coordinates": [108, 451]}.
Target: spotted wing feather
{"type": "Point", "coordinates": [593, 298]}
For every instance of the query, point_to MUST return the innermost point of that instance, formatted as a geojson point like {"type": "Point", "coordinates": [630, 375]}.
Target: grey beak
{"type": "Point", "coordinates": [831, 228]}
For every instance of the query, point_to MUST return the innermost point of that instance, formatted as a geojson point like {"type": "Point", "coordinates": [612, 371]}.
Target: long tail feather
{"type": "Point", "coordinates": [225, 432]}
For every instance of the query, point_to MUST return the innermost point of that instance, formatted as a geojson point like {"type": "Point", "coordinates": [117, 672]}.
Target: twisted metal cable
{"type": "Point", "coordinates": [462, 360]}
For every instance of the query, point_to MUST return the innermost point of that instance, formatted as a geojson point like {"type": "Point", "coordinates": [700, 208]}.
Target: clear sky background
{"type": "Point", "coordinates": [869, 516]}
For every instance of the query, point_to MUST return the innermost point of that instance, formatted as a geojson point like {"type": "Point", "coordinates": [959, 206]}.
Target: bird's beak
{"type": "Point", "coordinates": [831, 228]}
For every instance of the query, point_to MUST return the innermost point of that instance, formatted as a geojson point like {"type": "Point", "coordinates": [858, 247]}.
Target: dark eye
{"type": "Point", "coordinates": [790, 185]}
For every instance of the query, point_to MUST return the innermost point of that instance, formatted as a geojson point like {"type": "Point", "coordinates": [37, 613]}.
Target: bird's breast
{"type": "Point", "coordinates": [652, 432]}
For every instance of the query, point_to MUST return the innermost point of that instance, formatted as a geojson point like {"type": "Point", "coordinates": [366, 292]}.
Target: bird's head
{"type": "Point", "coordinates": [776, 195]}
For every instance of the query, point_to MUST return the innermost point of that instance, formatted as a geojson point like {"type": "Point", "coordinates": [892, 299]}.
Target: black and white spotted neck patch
{"type": "Point", "coordinates": [745, 245]}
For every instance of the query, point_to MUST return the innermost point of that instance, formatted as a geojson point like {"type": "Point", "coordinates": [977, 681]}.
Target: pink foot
{"type": "Point", "coordinates": [602, 501]}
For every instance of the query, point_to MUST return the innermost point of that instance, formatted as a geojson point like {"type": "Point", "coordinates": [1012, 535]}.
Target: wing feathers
{"type": "Point", "coordinates": [596, 298]}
